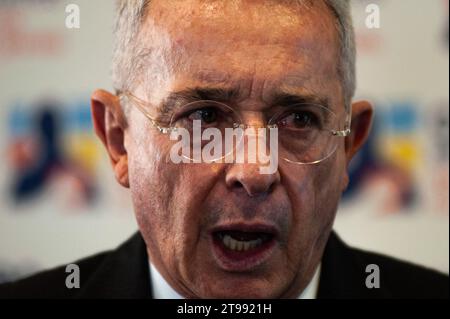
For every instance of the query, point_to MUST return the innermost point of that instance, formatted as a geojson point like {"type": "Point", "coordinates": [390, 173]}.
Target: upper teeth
{"type": "Point", "coordinates": [238, 245]}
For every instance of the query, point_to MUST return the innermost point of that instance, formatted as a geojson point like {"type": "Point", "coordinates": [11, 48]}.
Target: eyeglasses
{"type": "Point", "coordinates": [307, 133]}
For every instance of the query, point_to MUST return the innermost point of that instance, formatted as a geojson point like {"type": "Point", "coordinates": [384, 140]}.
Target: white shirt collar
{"type": "Point", "coordinates": [162, 290]}
{"type": "Point", "coordinates": [310, 292]}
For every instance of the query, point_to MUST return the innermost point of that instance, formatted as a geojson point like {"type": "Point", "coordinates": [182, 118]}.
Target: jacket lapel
{"type": "Point", "coordinates": [343, 273]}
{"type": "Point", "coordinates": [123, 274]}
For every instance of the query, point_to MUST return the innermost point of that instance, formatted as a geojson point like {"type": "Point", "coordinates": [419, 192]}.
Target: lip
{"type": "Point", "coordinates": [243, 261]}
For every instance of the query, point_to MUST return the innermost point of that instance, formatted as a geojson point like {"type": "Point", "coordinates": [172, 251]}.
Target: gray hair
{"type": "Point", "coordinates": [131, 13]}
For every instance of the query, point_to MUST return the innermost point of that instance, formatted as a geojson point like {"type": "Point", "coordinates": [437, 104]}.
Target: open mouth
{"type": "Point", "coordinates": [234, 240]}
{"type": "Point", "coordinates": [243, 247]}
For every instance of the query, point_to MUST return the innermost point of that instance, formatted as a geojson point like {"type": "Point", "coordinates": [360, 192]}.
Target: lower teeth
{"type": "Point", "coordinates": [238, 245]}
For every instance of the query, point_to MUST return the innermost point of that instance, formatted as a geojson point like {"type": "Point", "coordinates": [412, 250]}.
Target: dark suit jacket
{"type": "Point", "coordinates": [124, 273]}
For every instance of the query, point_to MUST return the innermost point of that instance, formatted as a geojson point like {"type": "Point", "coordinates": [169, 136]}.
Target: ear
{"type": "Point", "coordinates": [110, 125]}
{"type": "Point", "coordinates": [361, 123]}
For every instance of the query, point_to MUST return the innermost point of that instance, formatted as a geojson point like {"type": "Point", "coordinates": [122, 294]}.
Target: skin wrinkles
{"type": "Point", "coordinates": [252, 89]}
{"type": "Point", "coordinates": [253, 42]}
{"type": "Point", "coordinates": [174, 102]}
{"type": "Point", "coordinates": [259, 48]}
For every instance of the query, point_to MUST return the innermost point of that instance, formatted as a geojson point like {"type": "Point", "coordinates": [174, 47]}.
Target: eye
{"type": "Point", "coordinates": [209, 114]}
{"type": "Point", "coordinates": [300, 120]}
{"type": "Point", "coordinates": [206, 115]}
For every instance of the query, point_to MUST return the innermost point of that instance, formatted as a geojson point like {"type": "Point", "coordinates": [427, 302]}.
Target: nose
{"type": "Point", "coordinates": [248, 177]}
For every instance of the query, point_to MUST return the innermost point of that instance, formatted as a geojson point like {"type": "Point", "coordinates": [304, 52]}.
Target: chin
{"type": "Point", "coordinates": [241, 294]}
{"type": "Point", "coordinates": [259, 289]}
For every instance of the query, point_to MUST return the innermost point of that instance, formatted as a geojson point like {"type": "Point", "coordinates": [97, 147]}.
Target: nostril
{"type": "Point", "coordinates": [237, 184]}
{"type": "Point", "coordinates": [271, 188]}
{"type": "Point", "coordinates": [247, 178]}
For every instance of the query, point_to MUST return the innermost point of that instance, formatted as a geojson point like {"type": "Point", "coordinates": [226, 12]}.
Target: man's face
{"type": "Point", "coordinates": [185, 210]}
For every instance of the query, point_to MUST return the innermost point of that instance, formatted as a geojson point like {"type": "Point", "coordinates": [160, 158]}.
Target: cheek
{"type": "Point", "coordinates": [151, 191]}
{"type": "Point", "coordinates": [151, 183]}
{"type": "Point", "coordinates": [314, 192]}
{"type": "Point", "coordinates": [168, 199]}
{"type": "Point", "coordinates": [327, 189]}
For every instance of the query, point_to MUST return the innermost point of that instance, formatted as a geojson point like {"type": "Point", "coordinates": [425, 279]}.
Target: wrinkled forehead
{"type": "Point", "coordinates": [262, 20]}
{"type": "Point", "coordinates": [226, 42]}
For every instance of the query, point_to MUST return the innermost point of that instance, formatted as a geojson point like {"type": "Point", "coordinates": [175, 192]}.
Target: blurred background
{"type": "Point", "coordinates": [58, 197]}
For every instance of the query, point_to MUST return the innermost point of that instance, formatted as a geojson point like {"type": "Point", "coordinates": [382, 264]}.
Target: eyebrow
{"type": "Point", "coordinates": [279, 98]}
{"type": "Point", "coordinates": [286, 99]}
{"type": "Point", "coordinates": [189, 95]}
